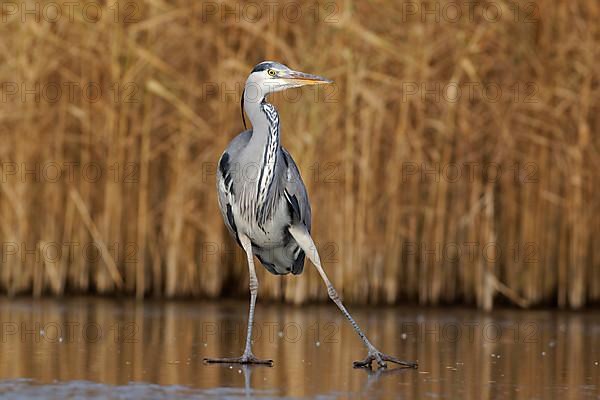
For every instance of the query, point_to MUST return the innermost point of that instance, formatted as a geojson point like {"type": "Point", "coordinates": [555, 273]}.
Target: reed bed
{"type": "Point", "coordinates": [454, 160]}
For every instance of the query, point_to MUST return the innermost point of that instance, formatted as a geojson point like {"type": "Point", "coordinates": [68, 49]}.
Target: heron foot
{"type": "Point", "coordinates": [380, 358]}
{"type": "Point", "coordinates": [245, 359]}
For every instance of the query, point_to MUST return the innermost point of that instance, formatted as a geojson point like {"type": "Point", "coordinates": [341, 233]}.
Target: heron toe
{"type": "Point", "coordinates": [381, 359]}
{"type": "Point", "coordinates": [245, 359]}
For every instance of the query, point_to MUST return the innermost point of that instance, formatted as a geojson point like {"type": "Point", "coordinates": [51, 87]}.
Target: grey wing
{"type": "Point", "coordinates": [295, 192]}
{"type": "Point", "coordinates": [225, 178]}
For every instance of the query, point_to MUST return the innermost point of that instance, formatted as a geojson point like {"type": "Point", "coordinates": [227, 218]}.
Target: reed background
{"type": "Point", "coordinates": [425, 187]}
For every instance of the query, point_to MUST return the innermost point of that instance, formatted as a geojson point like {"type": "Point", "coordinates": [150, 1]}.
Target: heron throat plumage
{"type": "Point", "coordinates": [265, 152]}
{"type": "Point", "coordinates": [267, 172]}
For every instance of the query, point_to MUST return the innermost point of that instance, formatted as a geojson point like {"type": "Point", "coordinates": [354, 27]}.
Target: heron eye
{"type": "Point", "coordinates": [271, 72]}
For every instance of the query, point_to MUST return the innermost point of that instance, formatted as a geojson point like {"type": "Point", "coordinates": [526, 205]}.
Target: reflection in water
{"type": "Point", "coordinates": [127, 349]}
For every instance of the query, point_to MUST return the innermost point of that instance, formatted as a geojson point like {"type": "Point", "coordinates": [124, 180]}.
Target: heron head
{"type": "Point", "coordinates": [269, 77]}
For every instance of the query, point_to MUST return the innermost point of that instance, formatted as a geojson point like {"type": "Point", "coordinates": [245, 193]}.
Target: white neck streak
{"type": "Point", "coordinates": [265, 144]}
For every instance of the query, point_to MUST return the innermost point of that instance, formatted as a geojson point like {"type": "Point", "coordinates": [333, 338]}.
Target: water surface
{"type": "Point", "coordinates": [110, 348]}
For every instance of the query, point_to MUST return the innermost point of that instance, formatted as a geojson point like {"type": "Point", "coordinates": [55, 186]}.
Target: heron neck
{"type": "Point", "coordinates": [265, 122]}
{"type": "Point", "coordinates": [264, 147]}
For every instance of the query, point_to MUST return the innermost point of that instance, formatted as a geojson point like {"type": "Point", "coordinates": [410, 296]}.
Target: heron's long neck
{"type": "Point", "coordinates": [265, 142]}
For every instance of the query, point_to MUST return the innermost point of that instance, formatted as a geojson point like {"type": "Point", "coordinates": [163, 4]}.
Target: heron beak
{"type": "Point", "coordinates": [301, 79]}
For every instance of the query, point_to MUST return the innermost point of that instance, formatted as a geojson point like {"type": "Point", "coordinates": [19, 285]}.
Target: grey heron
{"type": "Point", "coordinates": [264, 201]}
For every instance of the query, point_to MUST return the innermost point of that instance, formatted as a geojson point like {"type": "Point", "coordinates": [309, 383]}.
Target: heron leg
{"type": "Point", "coordinates": [247, 357]}
{"type": "Point", "coordinates": [305, 241]}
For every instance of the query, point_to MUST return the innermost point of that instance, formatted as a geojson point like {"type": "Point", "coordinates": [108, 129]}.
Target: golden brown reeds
{"type": "Point", "coordinates": [455, 160]}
